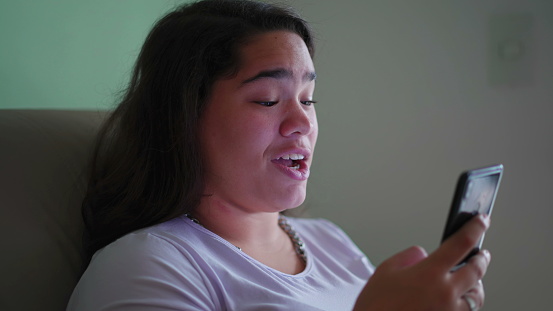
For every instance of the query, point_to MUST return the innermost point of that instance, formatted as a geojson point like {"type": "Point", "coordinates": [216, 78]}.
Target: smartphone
{"type": "Point", "coordinates": [475, 194]}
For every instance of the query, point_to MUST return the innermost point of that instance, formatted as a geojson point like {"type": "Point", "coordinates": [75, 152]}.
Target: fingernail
{"type": "Point", "coordinates": [487, 254]}
{"type": "Point", "coordinates": [485, 218]}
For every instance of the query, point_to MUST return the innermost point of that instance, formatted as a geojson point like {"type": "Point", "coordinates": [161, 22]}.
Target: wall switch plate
{"type": "Point", "coordinates": [511, 49]}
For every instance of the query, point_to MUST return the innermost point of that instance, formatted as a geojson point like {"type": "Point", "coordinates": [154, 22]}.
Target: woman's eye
{"type": "Point", "coordinates": [267, 104]}
{"type": "Point", "coordinates": [308, 102]}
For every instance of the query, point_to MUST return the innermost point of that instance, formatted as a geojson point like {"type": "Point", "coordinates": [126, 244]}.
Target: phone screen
{"type": "Point", "coordinates": [475, 194]}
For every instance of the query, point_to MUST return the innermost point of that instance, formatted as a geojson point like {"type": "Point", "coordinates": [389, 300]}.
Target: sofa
{"type": "Point", "coordinates": [43, 166]}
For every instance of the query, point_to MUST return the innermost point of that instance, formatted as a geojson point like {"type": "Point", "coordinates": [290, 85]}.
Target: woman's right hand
{"type": "Point", "coordinates": [412, 280]}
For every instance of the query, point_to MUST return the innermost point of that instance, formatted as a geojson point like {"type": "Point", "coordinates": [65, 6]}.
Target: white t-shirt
{"type": "Point", "coordinates": [180, 265]}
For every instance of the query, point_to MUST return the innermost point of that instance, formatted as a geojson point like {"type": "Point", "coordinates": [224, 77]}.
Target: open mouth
{"type": "Point", "coordinates": [293, 161]}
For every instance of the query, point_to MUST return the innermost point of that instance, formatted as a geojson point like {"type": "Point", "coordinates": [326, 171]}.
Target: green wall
{"type": "Point", "coordinates": [71, 54]}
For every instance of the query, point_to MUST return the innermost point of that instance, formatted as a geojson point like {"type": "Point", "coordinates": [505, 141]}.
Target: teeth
{"type": "Point", "coordinates": [293, 156]}
{"type": "Point", "coordinates": [295, 167]}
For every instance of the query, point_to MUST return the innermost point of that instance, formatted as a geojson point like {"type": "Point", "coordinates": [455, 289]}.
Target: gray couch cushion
{"type": "Point", "coordinates": [43, 162]}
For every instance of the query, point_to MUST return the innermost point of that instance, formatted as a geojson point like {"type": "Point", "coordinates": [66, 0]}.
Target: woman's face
{"type": "Point", "coordinates": [259, 129]}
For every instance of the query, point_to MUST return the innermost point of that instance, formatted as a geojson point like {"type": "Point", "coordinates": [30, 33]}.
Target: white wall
{"type": "Point", "coordinates": [405, 105]}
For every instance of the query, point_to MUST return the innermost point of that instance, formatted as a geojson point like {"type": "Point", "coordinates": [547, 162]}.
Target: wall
{"type": "Point", "coordinates": [70, 54]}
{"type": "Point", "coordinates": [405, 105]}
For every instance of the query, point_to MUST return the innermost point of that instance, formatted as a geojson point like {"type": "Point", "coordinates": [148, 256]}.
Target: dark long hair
{"type": "Point", "coordinates": [147, 165]}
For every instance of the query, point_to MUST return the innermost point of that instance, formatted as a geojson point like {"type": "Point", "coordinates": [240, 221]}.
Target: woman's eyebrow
{"type": "Point", "coordinates": [279, 74]}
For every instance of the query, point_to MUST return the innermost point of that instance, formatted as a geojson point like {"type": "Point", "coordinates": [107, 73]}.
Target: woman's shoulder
{"type": "Point", "coordinates": [168, 238]}
{"type": "Point", "coordinates": [139, 267]}
{"type": "Point", "coordinates": [134, 250]}
{"type": "Point", "coordinates": [157, 250]}
{"type": "Point", "coordinates": [160, 235]}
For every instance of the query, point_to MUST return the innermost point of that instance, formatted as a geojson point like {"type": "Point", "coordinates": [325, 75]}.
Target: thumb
{"type": "Point", "coordinates": [406, 258]}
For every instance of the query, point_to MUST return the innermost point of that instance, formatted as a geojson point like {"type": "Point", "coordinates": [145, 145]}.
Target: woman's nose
{"type": "Point", "coordinates": [297, 120]}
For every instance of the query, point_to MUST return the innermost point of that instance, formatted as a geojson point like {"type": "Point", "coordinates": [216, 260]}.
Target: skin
{"type": "Point", "coordinates": [412, 280]}
{"type": "Point", "coordinates": [264, 112]}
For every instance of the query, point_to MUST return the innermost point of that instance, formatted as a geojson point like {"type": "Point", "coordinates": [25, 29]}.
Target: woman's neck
{"type": "Point", "coordinates": [237, 225]}
{"type": "Point", "coordinates": [255, 233]}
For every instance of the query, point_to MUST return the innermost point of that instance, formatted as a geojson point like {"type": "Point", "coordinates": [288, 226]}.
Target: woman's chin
{"type": "Point", "coordinates": [293, 202]}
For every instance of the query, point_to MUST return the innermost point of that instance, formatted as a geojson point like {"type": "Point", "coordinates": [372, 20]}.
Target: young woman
{"type": "Point", "coordinates": [212, 142]}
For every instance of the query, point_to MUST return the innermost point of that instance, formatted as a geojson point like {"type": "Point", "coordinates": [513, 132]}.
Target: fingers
{"type": "Point", "coordinates": [472, 299]}
{"type": "Point", "coordinates": [410, 281]}
{"type": "Point", "coordinates": [406, 258]}
{"type": "Point", "coordinates": [473, 271]}
{"type": "Point", "coordinates": [424, 282]}
{"type": "Point", "coordinates": [460, 244]}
